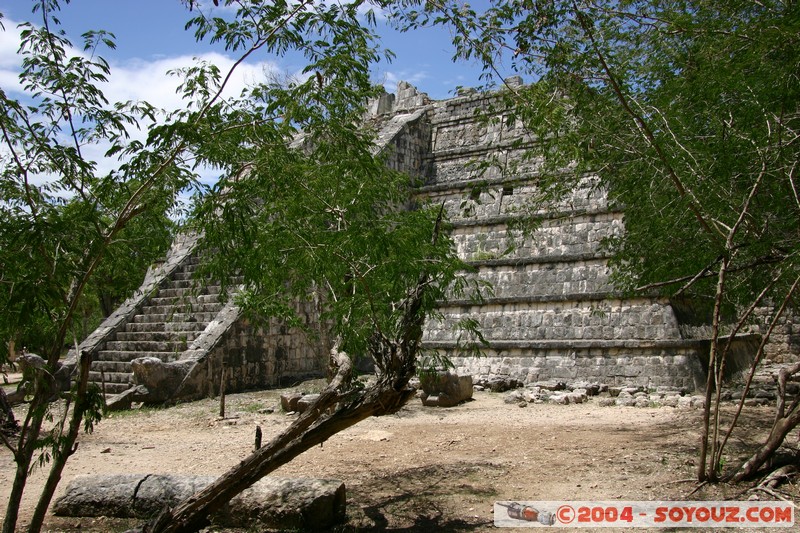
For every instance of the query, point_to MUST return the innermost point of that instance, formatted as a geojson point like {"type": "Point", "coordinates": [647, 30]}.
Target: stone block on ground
{"type": "Point", "coordinates": [577, 396]}
{"type": "Point", "coordinates": [590, 389]}
{"type": "Point", "coordinates": [671, 400]}
{"type": "Point", "coordinates": [625, 401]}
{"type": "Point", "coordinates": [551, 385]}
{"type": "Point", "coordinates": [281, 503]}
{"type": "Point", "coordinates": [562, 398]}
{"type": "Point", "coordinates": [305, 402]}
{"type": "Point", "coordinates": [158, 378]}
{"type": "Point", "coordinates": [641, 401]}
{"type": "Point", "coordinates": [445, 389]}
{"type": "Point", "coordinates": [289, 401]}
{"type": "Point", "coordinates": [514, 397]}
{"type": "Point", "coordinates": [500, 383]}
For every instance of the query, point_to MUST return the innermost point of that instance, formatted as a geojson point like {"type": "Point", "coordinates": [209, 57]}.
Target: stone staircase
{"type": "Point", "coordinates": [176, 313]}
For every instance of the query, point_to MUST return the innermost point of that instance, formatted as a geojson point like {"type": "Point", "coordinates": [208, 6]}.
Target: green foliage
{"type": "Point", "coordinates": [329, 222]}
{"type": "Point", "coordinates": [305, 211]}
{"type": "Point", "coordinates": [296, 214]}
{"type": "Point", "coordinates": [61, 216]}
{"type": "Point", "coordinates": [686, 109]}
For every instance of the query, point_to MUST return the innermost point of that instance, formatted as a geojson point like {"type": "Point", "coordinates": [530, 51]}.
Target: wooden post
{"type": "Point", "coordinates": [258, 437]}
{"type": "Point", "coordinates": [222, 391]}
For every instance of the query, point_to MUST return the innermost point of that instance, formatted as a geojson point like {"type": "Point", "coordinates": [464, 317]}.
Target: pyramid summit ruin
{"type": "Point", "coordinates": [554, 314]}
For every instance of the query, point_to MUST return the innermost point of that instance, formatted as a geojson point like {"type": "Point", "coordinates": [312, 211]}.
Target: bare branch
{"type": "Point", "coordinates": [644, 129]}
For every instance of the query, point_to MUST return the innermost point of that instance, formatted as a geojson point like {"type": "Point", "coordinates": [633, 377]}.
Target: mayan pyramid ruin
{"type": "Point", "coordinates": [553, 315]}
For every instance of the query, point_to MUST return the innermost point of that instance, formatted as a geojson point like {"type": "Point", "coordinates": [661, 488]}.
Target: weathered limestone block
{"type": "Point", "coordinates": [289, 401]}
{"type": "Point", "coordinates": [297, 401]}
{"type": "Point", "coordinates": [160, 379]}
{"type": "Point", "coordinates": [307, 504]}
{"type": "Point", "coordinates": [124, 400]}
{"type": "Point", "coordinates": [305, 402]}
{"type": "Point", "coordinates": [30, 363]}
{"type": "Point", "coordinates": [445, 389]}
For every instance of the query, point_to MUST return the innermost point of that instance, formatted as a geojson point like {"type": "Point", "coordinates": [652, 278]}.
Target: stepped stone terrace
{"type": "Point", "coordinates": [553, 314]}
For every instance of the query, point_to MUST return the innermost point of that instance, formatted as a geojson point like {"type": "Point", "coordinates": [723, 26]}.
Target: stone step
{"type": "Point", "coordinates": [199, 298]}
{"type": "Point", "coordinates": [176, 345]}
{"type": "Point", "coordinates": [159, 336]}
{"type": "Point", "coordinates": [178, 327]}
{"type": "Point", "coordinates": [113, 388]}
{"type": "Point", "coordinates": [176, 317]}
{"type": "Point", "coordinates": [180, 308]}
{"type": "Point", "coordinates": [183, 275]}
{"type": "Point", "coordinates": [110, 377]}
{"type": "Point", "coordinates": [175, 292]}
{"type": "Point", "coordinates": [111, 366]}
{"type": "Point", "coordinates": [173, 283]}
{"type": "Point", "coordinates": [127, 356]}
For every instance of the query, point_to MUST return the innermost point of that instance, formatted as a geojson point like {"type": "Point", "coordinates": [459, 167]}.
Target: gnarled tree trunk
{"type": "Point", "coordinates": [339, 406]}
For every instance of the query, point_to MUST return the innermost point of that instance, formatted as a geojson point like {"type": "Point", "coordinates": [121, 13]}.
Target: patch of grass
{"type": "Point", "coordinates": [144, 410]}
{"type": "Point", "coordinates": [252, 407]}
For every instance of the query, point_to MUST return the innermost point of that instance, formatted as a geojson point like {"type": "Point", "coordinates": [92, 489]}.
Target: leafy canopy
{"type": "Point", "coordinates": [305, 209]}
{"type": "Point", "coordinates": [686, 109]}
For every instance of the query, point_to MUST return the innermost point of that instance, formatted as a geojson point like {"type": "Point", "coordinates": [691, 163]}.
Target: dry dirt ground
{"type": "Point", "coordinates": [422, 469]}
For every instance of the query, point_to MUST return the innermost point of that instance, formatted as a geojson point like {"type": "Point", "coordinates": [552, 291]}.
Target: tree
{"type": "Point", "coordinates": [323, 218]}
{"type": "Point", "coordinates": [62, 219]}
{"type": "Point", "coordinates": [324, 214]}
{"type": "Point", "coordinates": [688, 111]}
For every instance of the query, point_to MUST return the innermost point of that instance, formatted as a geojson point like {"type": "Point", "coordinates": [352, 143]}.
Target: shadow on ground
{"type": "Point", "coordinates": [445, 498]}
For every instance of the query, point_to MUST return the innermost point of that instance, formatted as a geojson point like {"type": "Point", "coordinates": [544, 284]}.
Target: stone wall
{"type": "Point", "coordinates": [254, 356]}
{"type": "Point", "coordinates": [574, 320]}
{"type": "Point", "coordinates": [266, 356]}
{"type": "Point", "coordinates": [784, 345]}
{"type": "Point", "coordinates": [553, 313]}
{"type": "Point", "coordinates": [646, 366]}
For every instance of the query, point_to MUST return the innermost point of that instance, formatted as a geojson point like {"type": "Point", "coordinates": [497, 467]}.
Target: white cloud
{"type": "Point", "coordinates": [389, 79]}
{"type": "Point", "coordinates": [10, 61]}
{"type": "Point", "coordinates": [149, 81]}
{"type": "Point", "coordinates": [9, 43]}
{"type": "Point", "coordinates": [136, 80]}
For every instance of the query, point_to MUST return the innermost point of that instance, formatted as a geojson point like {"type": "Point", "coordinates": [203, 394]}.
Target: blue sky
{"type": "Point", "coordinates": [151, 40]}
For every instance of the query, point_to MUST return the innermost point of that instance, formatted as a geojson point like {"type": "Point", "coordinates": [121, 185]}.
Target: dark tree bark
{"type": "Point", "coordinates": [8, 423]}
{"type": "Point", "coordinates": [65, 448]}
{"type": "Point", "coordinates": [785, 421]}
{"type": "Point", "coordinates": [339, 406]}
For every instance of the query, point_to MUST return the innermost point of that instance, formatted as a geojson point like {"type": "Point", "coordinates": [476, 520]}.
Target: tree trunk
{"type": "Point", "coordinates": [313, 427]}
{"type": "Point", "coordinates": [222, 379]}
{"type": "Point", "coordinates": [8, 423]}
{"type": "Point", "coordinates": [23, 454]}
{"type": "Point", "coordinates": [784, 423]}
{"type": "Point", "coordinates": [65, 448]}
{"type": "Point", "coordinates": [779, 431]}
{"type": "Point", "coordinates": [715, 363]}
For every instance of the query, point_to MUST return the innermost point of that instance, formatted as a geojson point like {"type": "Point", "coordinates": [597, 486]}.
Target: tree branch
{"type": "Point", "coordinates": [645, 130]}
